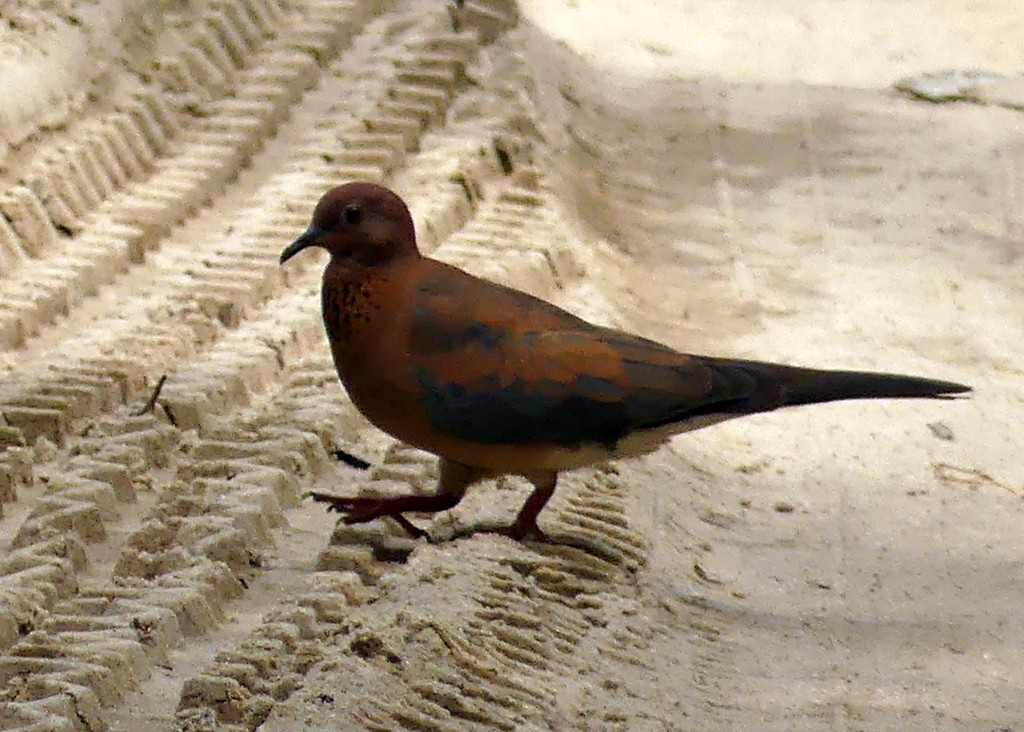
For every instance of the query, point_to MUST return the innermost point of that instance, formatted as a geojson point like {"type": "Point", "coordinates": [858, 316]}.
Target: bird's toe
{"type": "Point", "coordinates": [364, 510]}
{"type": "Point", "coordinates": [524, 530]}
{"type": "Point", "coordinates": [338, 504]}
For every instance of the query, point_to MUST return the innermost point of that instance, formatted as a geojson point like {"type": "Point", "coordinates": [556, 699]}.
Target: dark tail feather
{"type": "Point", "coordinates": [777, 385]}
{"type": "Point", "coordinates": [811, 387]}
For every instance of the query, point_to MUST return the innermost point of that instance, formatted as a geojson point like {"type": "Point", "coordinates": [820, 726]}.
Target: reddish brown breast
{"type": "Point", "coordinates": [365, 313]}
{"type": "Point", "coordinates": [346, 304]}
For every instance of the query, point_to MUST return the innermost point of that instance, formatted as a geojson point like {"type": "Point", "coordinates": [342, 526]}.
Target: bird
{"type": "Point", "coordinates": [495, 381]}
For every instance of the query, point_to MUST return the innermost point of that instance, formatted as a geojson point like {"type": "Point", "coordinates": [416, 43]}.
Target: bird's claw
{"type": "Point", "coordinates": [363, 510]}
{"type": "Point", "coordinates": [519, 531]}
{"type": "Point", "coordinates": [356, 508]}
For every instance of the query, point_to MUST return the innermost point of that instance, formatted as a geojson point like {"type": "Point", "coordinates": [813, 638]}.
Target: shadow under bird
{"type": "Point", "coordinates": [495, 381]}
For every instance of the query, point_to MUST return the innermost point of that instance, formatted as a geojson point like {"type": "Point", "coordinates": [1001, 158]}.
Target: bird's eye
{"type": "Point", "coordinates": [351, 214]}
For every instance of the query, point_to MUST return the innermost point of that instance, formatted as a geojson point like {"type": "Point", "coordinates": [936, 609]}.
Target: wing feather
{"type": "Point", "coordinates": [517, 370]}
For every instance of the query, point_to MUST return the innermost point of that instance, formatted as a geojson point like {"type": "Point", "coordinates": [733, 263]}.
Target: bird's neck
{"type": "Point", "coordinates": [347, 298]}
{"type": "Point", "coordinates": [359, 304]}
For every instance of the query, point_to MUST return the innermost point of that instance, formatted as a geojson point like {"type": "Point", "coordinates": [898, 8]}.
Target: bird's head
{"type": "Point", "coordinates": [360, 224]}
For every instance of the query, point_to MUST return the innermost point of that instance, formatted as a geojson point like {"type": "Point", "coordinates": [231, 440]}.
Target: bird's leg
{"type": "Point", "coordinates": [526, 522]}
{"type": "Point", "coordinates": [451, 487]}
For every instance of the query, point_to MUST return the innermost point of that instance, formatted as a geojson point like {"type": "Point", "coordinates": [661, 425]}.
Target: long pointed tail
{"type": "Point", "coordinates": [778, 385]}
{"type": "Point", "coordinates": [824, 386]}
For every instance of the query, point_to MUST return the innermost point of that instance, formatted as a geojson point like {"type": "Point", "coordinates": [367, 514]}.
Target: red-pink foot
{"type": "Point", "coordinates": [524, 530]}
{"type": "Point", "coordinates": [360, 510]}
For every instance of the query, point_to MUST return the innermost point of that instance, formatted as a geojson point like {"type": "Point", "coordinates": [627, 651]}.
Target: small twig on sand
{"type": "Point", "coordinates": [151, 404]}
{"type": "Point", "coordinates": [351, 460]}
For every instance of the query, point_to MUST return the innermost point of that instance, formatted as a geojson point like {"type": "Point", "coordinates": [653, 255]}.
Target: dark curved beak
{"type": "Point", "coordinates": [309, 238]}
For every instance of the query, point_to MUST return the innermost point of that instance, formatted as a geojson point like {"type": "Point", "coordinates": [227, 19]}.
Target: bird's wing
{"type": "Point", "coordinates": [506, 368]}
{"type": "Point", "coordinates": [496, 365]}
{"type": "Point", "coordinates": [568, 388]}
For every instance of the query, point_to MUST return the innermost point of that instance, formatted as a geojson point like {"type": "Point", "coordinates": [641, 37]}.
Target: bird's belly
{"type": "Point", "coordinates": [412, 427]}
{"type": "Point", "coordinates": [396, 403]}
{"type": "Point", "coordinates": [513, 459]}
{"type": "Point", "coordinates": [403, 416]}
{"type": "Point", "coordinates": [405, 419]}
{"type": "Point", "coordinates": [505, 458]}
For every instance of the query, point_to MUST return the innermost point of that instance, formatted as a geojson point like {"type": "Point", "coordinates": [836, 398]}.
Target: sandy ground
{"type": "Point", "coordinates": [730, 178]}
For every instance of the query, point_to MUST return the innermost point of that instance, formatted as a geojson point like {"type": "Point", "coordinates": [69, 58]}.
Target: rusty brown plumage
{"type": "Point", "coordinates": [495, 381]}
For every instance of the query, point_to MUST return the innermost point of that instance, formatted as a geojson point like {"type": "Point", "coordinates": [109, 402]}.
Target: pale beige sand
{"type": "Point", "coordinates": [729, 178]}
{"type": "Point", "coordinates": [867, 43]}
